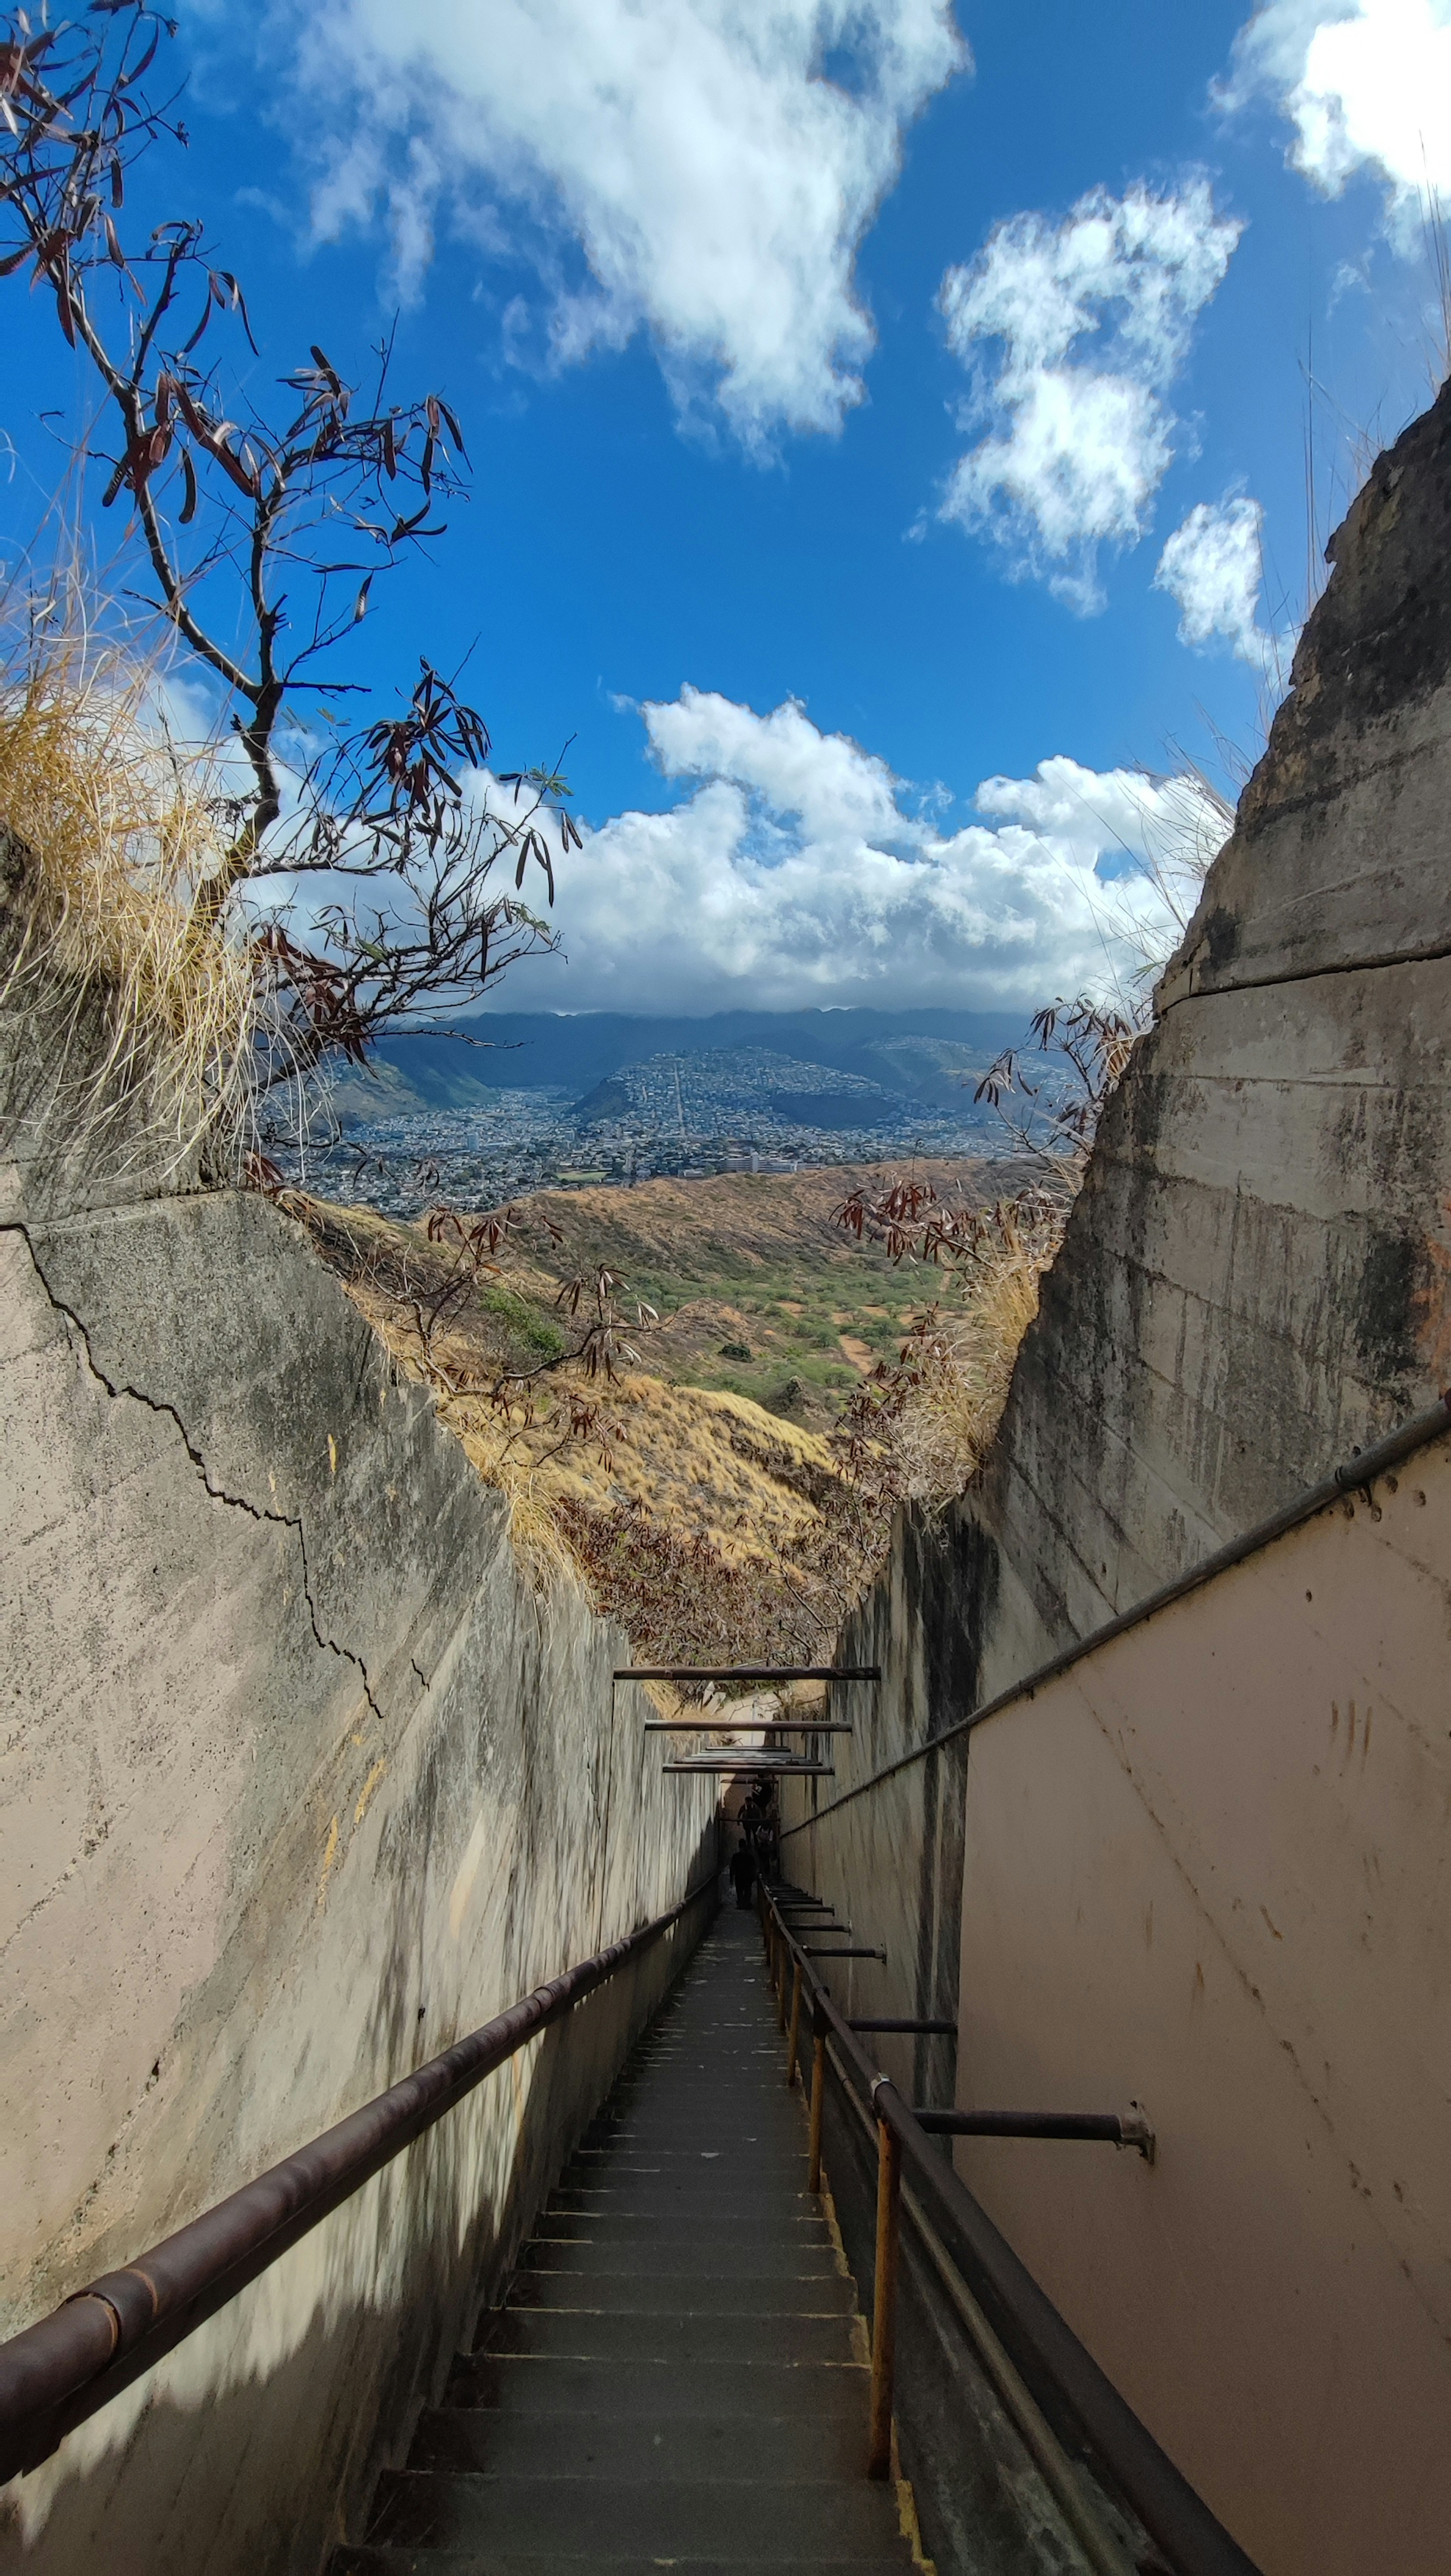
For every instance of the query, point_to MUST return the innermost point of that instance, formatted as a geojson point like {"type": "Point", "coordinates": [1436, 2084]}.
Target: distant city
{"type": "Point", "coordinates": [380, 1141]}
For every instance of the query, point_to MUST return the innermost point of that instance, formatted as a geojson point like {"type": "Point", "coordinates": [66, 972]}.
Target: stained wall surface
{"type": "Point", "coordinates": [1254, 1281]}
{"type": "Point", "coordinates": [301, 1781]}
{"type": "Point", "coordinates": [1208, 1867]}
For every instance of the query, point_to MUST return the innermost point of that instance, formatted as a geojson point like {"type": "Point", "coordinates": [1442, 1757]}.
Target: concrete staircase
{"type": "Point", "coordinates": [679, 2374]}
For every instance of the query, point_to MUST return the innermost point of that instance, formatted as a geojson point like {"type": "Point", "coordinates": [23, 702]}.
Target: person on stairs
{"type": "Point", "coordinates": [743, 1872]}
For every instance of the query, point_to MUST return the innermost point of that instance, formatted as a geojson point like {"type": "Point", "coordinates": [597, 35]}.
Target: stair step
{"type": "Point", "coordinates": [597, 2336]}
{"type": "Point", "coordinates": [520, 2384]}
{"type": "Point", "coordinates": [804, 2448]}
{"type": "Point", "coordinates": [374, 2560]}
{"type": "Point", "coordinates": [805, 2258]}
{"type": "Point", "coordinates": [602, 2225]}
{"type": "Point", "coordinates": [767, 2524]}
{"type": "Point", "coordinates": [698, 2176]}
{"type": "Point", "coordinates": [672, 2201]}
{"type": "Point", "coordinates": [678, 2377]}
{"type": "Point", "coordinates": [692, 2294]}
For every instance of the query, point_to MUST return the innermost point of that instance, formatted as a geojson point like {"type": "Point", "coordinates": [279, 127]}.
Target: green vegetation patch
{"type": "Point", "coordinates": [538, 1332]}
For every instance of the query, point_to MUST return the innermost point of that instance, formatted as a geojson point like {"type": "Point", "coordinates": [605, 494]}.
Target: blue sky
{"type": "Point", "coordinates": [796, 542]}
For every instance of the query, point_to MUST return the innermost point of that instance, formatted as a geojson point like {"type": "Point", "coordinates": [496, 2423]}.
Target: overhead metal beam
{"type": "Point", "coordinates": [746, 1770]}
{"type": "Point", "coordinates": [760, 1726]}
{"type": "Point", "coordinates": [721, 1759]}
{"type": "Point", "coordinates": [748, 1673]}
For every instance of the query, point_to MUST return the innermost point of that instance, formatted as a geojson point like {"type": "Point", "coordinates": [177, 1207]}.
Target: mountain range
{"type": "Point", "coordinates": [919, 1056]}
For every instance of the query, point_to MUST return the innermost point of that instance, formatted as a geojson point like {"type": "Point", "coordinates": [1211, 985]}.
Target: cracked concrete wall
{"type": "Point", "coordinates": [301, 1782]}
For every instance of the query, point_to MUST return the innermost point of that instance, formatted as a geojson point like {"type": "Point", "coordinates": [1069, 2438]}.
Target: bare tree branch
{"type": "Point", "coordinates": [237, 515]}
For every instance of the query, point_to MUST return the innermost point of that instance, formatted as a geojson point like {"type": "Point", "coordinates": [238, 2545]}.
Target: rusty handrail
{"type": "Point", "coordinates": [1171, 2512]}
{"type": "Point", "coordinates": [68, 2365]}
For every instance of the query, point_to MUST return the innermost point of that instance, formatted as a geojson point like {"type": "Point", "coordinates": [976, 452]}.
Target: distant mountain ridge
{"type": "Point", "coordinates": [738, 1084]}
{"type": "Point", "coordinates": [920, 1054]}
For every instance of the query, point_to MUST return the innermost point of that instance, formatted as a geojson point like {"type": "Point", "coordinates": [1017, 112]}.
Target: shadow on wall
{"type": "Point", "coordinates": [203, 2447]}
{"type": "Point", "coordinates": [303, 1780]}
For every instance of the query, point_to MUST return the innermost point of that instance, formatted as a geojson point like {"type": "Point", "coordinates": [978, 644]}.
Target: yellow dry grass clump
{"type": "Point", "coordinates": [706, 1523]}
{"type": "Point", "coordinates": [711, 1465]}
{"type": "Point", "coordinates": [111, 834]}
{"type": "Point", "coordinates": [948, 1417]}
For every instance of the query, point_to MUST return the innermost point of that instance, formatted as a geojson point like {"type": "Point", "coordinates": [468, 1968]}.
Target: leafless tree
{"type": "Point", "coordinates": [260, 534]}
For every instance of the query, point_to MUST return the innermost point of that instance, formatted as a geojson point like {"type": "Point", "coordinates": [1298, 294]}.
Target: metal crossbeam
{"type": "Point", "coordinates": [741, 1771]}
{"type": "Point", "coordinates": [750, 1757]}
{"type": "Point", "coordinates": [758, 1726]}
{"type": "Point", "coordinates": [1116, 2129]}
{"type": "Point", "coordinates": [748, 1673]}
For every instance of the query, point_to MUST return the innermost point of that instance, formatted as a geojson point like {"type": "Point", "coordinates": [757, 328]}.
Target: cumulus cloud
{"type": "Point", "coordinates": [701, 169]}
{"type": "Point", "coordinates": [800, 871]}
{"type": "Point", "coordinates": [1091, 322]}
{"type": "Point", "coordinates": [1214, 568]}
{"type": "Point", "coordinates": [1366, 85]}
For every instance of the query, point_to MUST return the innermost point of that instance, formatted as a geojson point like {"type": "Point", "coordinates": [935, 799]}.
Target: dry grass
{"type": "Point", "coordinates": [111, 832]}
{"type": "Point", "coordinates": [710, 1527]}
{"type": "Point", "coordinates": [730, 1483]}
{"type": "Point", "coordinates": [948, 1420]}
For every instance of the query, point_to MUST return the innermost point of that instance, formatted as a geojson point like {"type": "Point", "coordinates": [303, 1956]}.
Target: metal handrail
{"type": "Point", "coordinates": [56, 2373]}
{"type": "Point", "coordinates": [1036, 2336]}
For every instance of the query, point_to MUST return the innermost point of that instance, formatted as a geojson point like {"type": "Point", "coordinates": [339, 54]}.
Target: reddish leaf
{"type": "Point", "coordinates": [189, 345]}
{"type": "Point", "coordinates": [129, 79]}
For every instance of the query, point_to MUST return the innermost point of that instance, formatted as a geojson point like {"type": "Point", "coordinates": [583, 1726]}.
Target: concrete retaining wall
{"type": "Point", "coordinates": [1207, 1868]}
{"type": "Point", "coordinates": [1255, 1277]}
{"type": "Point", "coordinates": [301, 1781]}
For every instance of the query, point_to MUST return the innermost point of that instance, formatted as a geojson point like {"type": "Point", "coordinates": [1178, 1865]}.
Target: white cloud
{"type": "Point", "coordinates": [1080, 435]}
{"type": "Point", "coordinates": [800, 871]}
{"type": "Point", "coordinates": [701, 169]}
{"type": "Point", "coordinates": [1366, 85]}
{"type": "Point", "coordinates": [1213, 567]}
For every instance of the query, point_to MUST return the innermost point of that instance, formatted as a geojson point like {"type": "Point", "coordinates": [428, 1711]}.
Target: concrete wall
{"type": "Point", "coordinates": [1255, 1277]}
{"type": "Point", "coordinates": [301, 1781]}
{"type": "Point", "coordinates": [1207, 1868]}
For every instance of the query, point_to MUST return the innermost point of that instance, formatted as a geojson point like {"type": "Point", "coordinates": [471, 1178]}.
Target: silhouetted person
{"type": "Point", "coordinates": [743, 1874]}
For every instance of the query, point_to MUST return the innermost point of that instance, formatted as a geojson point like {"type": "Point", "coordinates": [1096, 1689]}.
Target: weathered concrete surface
{"type": "Point", "coordinates": [1207, 1868]}
{"type": "Point", "coordinates": [301, 1781]}
{"type": "Point", "coordinates": [1255, 1278]}
{"type": "Point", "coordinates": [1253, 1285]}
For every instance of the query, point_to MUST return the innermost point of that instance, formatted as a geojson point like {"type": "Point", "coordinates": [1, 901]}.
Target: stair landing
{"type": "Point", "coordinates": [679, 2374]}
